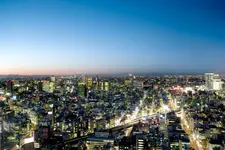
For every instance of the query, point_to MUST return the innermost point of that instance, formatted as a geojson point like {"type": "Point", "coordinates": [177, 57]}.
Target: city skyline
{"type": "Point", "coordinates": [104, 37]}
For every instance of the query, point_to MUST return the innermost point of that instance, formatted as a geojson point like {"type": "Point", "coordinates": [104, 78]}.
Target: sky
{"type": "Point", "coordinates": [111, 36]}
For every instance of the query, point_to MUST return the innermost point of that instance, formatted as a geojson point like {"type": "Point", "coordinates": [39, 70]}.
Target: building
{"type": "Point", "coordinates": [178, 102]}
{"type": "Point", "coordinates": [209, 80]}
{"type": "Point", "coordinates": [217, 84]}
{"type": "Point", "coordinates": [9, 86]}
{"type": "Point", "coordinates": [138, 84]}
{"type": "Point", "coordinates": [102, 140]}
{"type": "Point", "coordinates": [82, 90]}
{"type": "Point", "coordinates": [106, 83]}
{"type": "Point", "coordinates": [140, 142]}
{"type": "Point", "coordinates": [52, 79]}
{"type": "Point", "coordinates": [128, 82]}
{"type": "Point", "coordinates": [213, 82]}
{"type": "Point", "coordinates": [91, 127]}
{"type": "Point", "coordinates": [83, 78]}
{"type": "Point", "coordinates": [40, 86]}
{"type": "Point", "coordinates": [89, 82]}
{"type": "Point", "coordinates": [131, 78]}
{"type": "Point", "coordinates": [48, 86]}
{"type": "Point", "coordinates": [127, 143]}
{"type": "Point", "coordinates": [102, 85]}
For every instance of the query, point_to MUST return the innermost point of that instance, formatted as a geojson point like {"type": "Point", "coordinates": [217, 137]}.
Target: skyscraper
{"type": "Point", "coordinates": [52, 78]}
{"type": "Point", "coordinates": [106, 86]}
{"type": "Point", "coordinates": [89, 82]}
{"type": "Point", "coordinates": [82, 91]}
{"type": "Point", "coordinates": [40, 86]}
{"type": "Point", "coordinates": [9, 86]}
{"type": "Point", "coordinates": [213, 82]}
{"type": "Point", "coordinates": [209, 79]}
{"type": "Point", "coordinates": [83, 78]}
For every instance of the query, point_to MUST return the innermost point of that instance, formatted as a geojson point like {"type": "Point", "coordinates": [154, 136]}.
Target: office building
{"type": "Point", "coordinates": [89, 82]}
{"type": "Point", "coordinates": [209, 80]}
{"type": "Point", "coordinates": [213, 82]}
{"type": "Point", "coordinates": [82, 91]}
{"type": "Point", "coordinates": [48, 86]}
{"type": "Point", "coordinates": [9, 86]}
{"type": "Point", "coordinates": [40, 86]}
{"type": "Point", "coordinates": [52, 79]}
{"type": "Point", "coordinates": [138, 84]}
{"type": "Point", "coordinates": [83, 78]}
{"type": "Point", "coordinates": [106, 85]}
{"type": "Point", "coordinates": [217, 84]}
{"type": "Point", "coordinates": [140, 142]}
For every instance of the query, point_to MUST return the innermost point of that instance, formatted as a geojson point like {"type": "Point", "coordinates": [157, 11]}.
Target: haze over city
{"type": "Point", "coordinates": [111, 36]}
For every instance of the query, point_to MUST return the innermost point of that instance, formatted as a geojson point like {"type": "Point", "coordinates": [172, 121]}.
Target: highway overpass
{"type": "Point", "coordinates": [124, 126]}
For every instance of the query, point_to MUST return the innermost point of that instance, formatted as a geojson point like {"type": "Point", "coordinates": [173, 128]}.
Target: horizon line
{"type": "Point", "coordinates": [122, 73]}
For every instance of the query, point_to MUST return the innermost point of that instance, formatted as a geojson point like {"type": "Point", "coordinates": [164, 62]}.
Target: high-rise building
{"type": "Point", "coordinates": [106, 83]}
{"type": "Point", "coordinates": [97, 80]}
{"type": "Point", "coordinates": [217, 84]}
{"type": "Point", "coordinates": [89, 82]}
{"type": "Point", "coordinates": [52, 79]}
{"type": "Point", "coordinates": [40, 86]}
{"type": "Point", "coordinates": [102, 85]}
{"type": "Point", "coordinates": [82, 91]}
{"type": "Point", "coordinates": [140, 141]}
{"type": "Point", "coordinates": [138, 84]}
{"type": "Point", "coordinates": [209, 80]}
{"type": "Point", "coordinates": [52, 87]}
{"type": "Point", "coordinates": [9, 86]}
{"type": "Point", "coordinates": [131, 78]}
{"type": "Point", "coordinates": [48, 86]}
{"type": "Point", "coordinates": [83, 78]}
{"type": "Point", "coordinates": [213, 82]}
{"type": "Point", "coordinates": [1, 123]}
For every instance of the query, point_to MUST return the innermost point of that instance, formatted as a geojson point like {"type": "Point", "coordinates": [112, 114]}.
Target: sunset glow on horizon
{"type": "Point", "coordinates": [93, 37]}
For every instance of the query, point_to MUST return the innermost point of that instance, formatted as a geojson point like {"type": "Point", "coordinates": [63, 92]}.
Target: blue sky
{"type": "Point", "coordinates": [111, 36]}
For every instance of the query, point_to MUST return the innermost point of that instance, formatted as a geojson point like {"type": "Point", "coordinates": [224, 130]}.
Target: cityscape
{"type": "Point", "coordinates": [112, 75]}
{"type": "Point", "coordinates": [120, 112]}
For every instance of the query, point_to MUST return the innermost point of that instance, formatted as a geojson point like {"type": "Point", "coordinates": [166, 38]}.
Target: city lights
{"type": "Point", "coordinates": [112, 75]}
{"type": "Point", "coordinates": [118, 114]}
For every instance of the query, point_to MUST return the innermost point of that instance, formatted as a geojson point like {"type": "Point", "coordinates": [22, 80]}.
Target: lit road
{"type": "Point", "coordinates": [194, 141]}
{"type": "Point", "coordinates": [127, 125]}
{"type": "Point", "coordinates": [133, 119]}
{"type": "Point", "coordinates": [134, 116]}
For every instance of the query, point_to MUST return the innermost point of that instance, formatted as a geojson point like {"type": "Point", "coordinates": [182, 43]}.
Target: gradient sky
{"type": "Point", "coordinates": [111, 36]}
